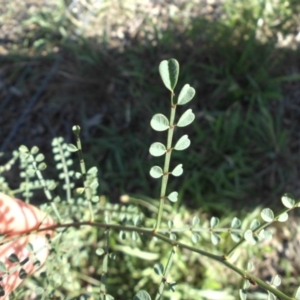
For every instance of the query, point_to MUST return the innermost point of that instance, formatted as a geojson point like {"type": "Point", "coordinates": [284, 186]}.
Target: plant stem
{"type": "Point", "coordinates": [165, 177]}
{"type": "Point", "coordinates": [147, 231]}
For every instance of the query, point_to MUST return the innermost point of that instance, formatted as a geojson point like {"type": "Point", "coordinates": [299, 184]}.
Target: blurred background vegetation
{"type": "Point", "coordinates": [95, 63]}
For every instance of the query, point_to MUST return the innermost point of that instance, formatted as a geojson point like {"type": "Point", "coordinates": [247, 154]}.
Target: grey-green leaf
{"type": "Point", "coordinates": [173, 236]}
{"type": "Point", "coordinates": [243, 294]}
{"type": "Point", "coordinates": [187, 118]}
{"type": "Point", "coordinates": [159, 269]}
{"type": "Point", "coordinates": [23, 149]}
{"type": "Point", "coordinates": [100, 251]}
{"type": "Point", "coordinates": [254, 224]}
{"type": "Point", "coordinates": [195, 237]}
{"type": "Point", "coordinates": [159, 122]}
{"type": "Point", "coordinates": [157, 149]}
{"type": "Point", "coordinates": [287, 201]}
{"type": "Point", "coordinates": [277, 280]}
{"type": "Point", "coordinates": [297, 293]}
{"type": "Point", "coordinates": [170, 224]}
{"type": "Point", "coordinates": [283, 217]}
{"type": "Point", "coordinates": [267, 215]}
{"type": "Point", "coordinates": [142, 295]}
{"type": "Point", "coordinates": [42, 166]}
{"type": "Point", "coordinates": [72, 148]}
{"type": "Point", "coordinates": [40, 157]}
{"type": "Point", "coordinates": [271, 296]}
{"type": "Point", "coordinates": [215, 239]}
{"type": "Point", "coordinates": [250, 266]}
{"type": "Point", "coordinates": [93, 171]}
{"type": "Point", "coordinates": [156, 172]}
{"type": "Point", "coordinates": [173, 197]}
{"type": "Point", "coordinates": [214, 221]}
{"type": "Point", "coordinates": [235, 237]}
{"type": "Point", "coordinates": [236, 223]}
{"type": "Point", "coordinates": [178, 170]}
{"type": "Point", "coordinates": [195, 221]}
{"type": "Point", "coordinates": [186, 94]}
{"type": "Point", "coordinates": [183, 143]}
{"type": "Point", "coordinates": [246, 284]}
{"type": "Point", "coordinates": [248, 236]}
{"type": "Point", "coordinates": [169, 72]}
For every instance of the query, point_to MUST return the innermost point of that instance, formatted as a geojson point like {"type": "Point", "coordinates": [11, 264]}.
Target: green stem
{"type": "Point", "coordinates": [146, 231]}
{"type": "Point", "coordinates": [87, 190]}
{"type": "Point", "coordinates": [165, 177]}
{"type": "Point", "coordinates": [166, 273]}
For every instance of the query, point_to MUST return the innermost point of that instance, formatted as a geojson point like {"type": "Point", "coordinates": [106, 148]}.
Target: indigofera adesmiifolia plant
{"type": "Point", "coordinates": [89, 228]}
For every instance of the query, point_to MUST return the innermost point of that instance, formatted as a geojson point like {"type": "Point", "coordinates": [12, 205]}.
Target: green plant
{"type": "Point", "coordinates": [84, 261]}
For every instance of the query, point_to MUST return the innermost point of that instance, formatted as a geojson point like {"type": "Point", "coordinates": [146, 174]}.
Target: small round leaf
{"type": "Point", "coordinates": [100, 251]}
{"type": "Point", "coordinates": [267, 215]}
{"type": "Point", "coordinates": [156, 172]}
{"type": "Point", "coordinates": [195, 237]}
{"type": "Point", "coordinates": [214, 221]}
{"type": "Point", "coordinates": [157, 149]}
{"type": "Point", "coordinates": [23, 149]}
{"type": "Point", "coordinates": [173, 197]}
{"type": "Point", "coordinates": [178, 170]}
{"type": "Point", "coordinates": [159, 122]}
{"type": "Point", "coordinates": [169, 72]}
{"type": "Point", "coordinates": [283, 217]}
{"type": "Point", "coordinates": [250, 266]}
{"type": "Point", "coordinates": [186, 94]}
{"type": "Point", "coordinates": [287, 201]}
{"type": "Point", "coordinates": [235, 237]}
{"type": "Point", "coordinates": [236, 223]}
{"type": "Point", "coordinates": [72, 148]}
{"type": "Point", "coordinates": [276, 280]}
{"type": "Point", "coordinates": [297, 293]}
{"type": "Point", "coordinates": [187, 118]}
{"type": "Point", "coordinates": [195, 221]}
{"type": "Point", "coordinates": [159, 269]}
{"type": "Point", "coordinates": [243, 294]}
{"type": "Point", "coordinates": [215, 238]}
{"type": "Point", "coordinates": [254, 224]}
{"type": "Point", "coordinates": [248, 236]}
{"type": "Point", "coordinates": [142, 295]}
{"type": "Point", "coordinates": [183, 143]}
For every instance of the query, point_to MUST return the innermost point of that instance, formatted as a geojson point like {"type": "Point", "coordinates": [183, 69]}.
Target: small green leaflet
{"type": "Point", "coordinates": [186, 94]}
{"type": "Point", "coordinates": [183, 143]}
{"type": "Point", "coordinates": [169, 72]}
{"type": "Point", "coordinates": [156, 172]}
{"type": "Point", "coordinates": [157, 149]}
{"type": "Point", "coordinates": [159, 122]}
{"type": "Point", "coordinates": [178, 170]}
{"type": "Point", "coordinates": [186, 119]}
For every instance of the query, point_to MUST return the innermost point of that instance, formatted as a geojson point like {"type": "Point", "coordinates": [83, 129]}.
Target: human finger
{"type": "Point", "coordinates": [17, 217]}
